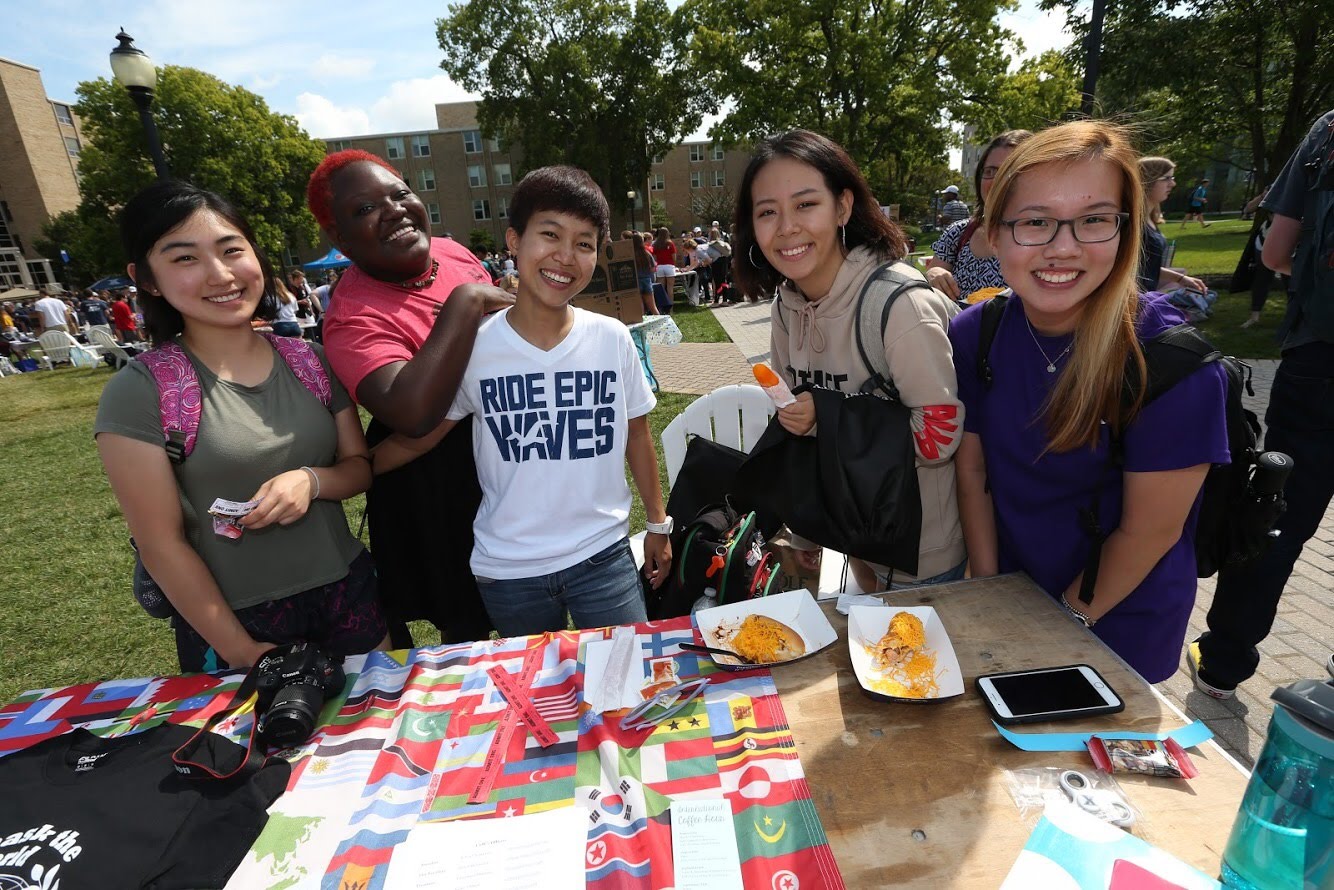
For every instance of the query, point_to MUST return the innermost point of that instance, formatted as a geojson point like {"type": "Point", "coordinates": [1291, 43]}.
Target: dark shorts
{"type": "Point", "coordinates": [342, 618]}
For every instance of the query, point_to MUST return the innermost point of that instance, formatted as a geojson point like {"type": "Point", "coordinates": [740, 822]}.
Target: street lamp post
{"type": "Point", "coordinates": [135, 71]}
{"type": "Point", "coordinates": [632, 194]}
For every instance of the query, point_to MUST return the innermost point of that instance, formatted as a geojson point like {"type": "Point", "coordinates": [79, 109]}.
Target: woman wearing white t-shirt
{"type": "Point", "coordinates": [285, 324]}
{"type": "Point", "coordinates": [561, 407]}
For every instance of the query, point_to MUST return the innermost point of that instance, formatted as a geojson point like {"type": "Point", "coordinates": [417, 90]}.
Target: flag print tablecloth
{"type": "Point", "coordinates": [408, 743]}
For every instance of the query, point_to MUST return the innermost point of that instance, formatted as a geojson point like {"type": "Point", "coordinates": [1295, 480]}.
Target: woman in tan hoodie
{"type": "Point", "coordinates": [808, 226]}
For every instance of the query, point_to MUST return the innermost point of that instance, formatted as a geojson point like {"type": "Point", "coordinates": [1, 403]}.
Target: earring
{"type": "Point", "coordinates": [843, 235]}
{"type": "Point", "coordinates": [750, 255]}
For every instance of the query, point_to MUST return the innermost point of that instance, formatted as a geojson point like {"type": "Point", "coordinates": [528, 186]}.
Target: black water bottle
{"type": "Point", "coordinates": [1267, 480]}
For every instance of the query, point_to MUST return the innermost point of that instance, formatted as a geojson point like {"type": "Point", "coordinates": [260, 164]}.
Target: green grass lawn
{"type": "Point", "coordinates": [1211, 251]}
{"type": "Point", "coordinates": [697, 324]}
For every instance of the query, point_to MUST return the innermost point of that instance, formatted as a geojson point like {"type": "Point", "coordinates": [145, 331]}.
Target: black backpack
{"type": "Point", "coordinates": [1240, 501]}
{"type": "Point", "coordinates": [722, 550]}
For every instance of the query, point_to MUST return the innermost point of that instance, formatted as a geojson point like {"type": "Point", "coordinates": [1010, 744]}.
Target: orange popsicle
{"type": "Point", "coordinates": [774, 386]}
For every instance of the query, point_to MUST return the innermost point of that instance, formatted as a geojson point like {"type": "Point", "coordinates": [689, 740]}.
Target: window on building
{"type": "Point", "coordinates": [393, 148]}
{"type": "Point", "coordinates": [434, 211]}
{"type": "Point", "coordinates": [696, 179]}
{"type": "Point", "coordinates": [62, 114]}
{"type": "Point", "coordinates": [472, 141]}
{"type": "Point", "coordinates": [6, 236]}
{"type": "Point", "coordinates": [658, 158]}
{"type": "Point", "coordinates": [717, 153]}
{"type": "Point", "coordinates": [503, 175]}
{"type": "Point", "coordinates": [481, 209]}
{"type": "Point", "coordinates": [496, 145]}
{"type": "Point", "coordinates": [659, 183]}
{"type": "Point", "coordinates": [10, 274]}
{"type": "Point", "coordinates": [718, 178]}
{"type": "Point", "coordinates": [72, 146]}
{"type": "Point", "coordinates": [696, 152]}
{"type": "Point", "coordinates": [426, 179]}
{"type": "Point", "coordinates": [421, 146]}
{"type": "Point", "coordinates": [339, 145]}
{"type": "Point", "coordinates": [476, 176]}
{"type": "Point", "coordinates": [502, 208]}
{"type": "Point", "coordinates": [39, 271]}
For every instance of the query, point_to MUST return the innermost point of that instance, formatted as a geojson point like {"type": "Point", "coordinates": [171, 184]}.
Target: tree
{"type": "Point", "coordinates": [709, 204]}
{"type": "Point", "coordinates": [1037, 95]}
{"type": "Point", "coordinates": [593, 83]}
{"type": "Point", "coordinates": [658, 215]}
{"type": "Point", "coordinates": [92, 241]}
{"type": "Point", "coordinates": [1223, 81]}
{"type": "Point", "coordinates": [481, 241]}
{"type": "Point", "coordinates": [217, 136]}
{"type": "Point", "coordinates": [880, 77]}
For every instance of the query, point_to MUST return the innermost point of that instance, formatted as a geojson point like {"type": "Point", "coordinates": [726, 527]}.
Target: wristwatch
{"type": "Point", "coordinates": [659, 528]}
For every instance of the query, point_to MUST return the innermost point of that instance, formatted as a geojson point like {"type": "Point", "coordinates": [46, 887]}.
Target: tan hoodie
{"type": "Point", "coordinates": [816, 343]}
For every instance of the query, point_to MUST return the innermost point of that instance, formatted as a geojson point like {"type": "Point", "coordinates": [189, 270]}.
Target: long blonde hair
{"type": "Point", "coordinates": [1151, 170]}
{"type": "Point", "coordinates": [1091, 386]}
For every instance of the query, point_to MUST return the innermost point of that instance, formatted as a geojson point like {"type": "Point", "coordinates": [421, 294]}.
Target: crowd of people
{"type": "Point", "coordinates": [503, 420]}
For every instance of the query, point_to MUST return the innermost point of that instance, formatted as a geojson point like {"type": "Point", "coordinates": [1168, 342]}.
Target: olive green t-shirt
{"type": "Point", "coordinates": [247, 435]}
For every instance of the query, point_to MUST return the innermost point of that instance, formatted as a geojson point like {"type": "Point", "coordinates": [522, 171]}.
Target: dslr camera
{"type": "Point", "coordinates": [293, 683]}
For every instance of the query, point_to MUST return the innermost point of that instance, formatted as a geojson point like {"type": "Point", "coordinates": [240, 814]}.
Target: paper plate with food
{"type": "Point", "coordinates": [902, 654]}
{"type": "Point", "coordinates": [764, 632]}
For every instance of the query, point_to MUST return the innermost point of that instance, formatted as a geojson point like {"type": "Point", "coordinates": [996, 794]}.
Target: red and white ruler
{"type": "Point", "coordinates": [515, 690]}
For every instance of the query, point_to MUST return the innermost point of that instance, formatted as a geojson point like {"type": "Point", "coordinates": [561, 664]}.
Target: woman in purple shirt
{"type": "Point", "coordinates": [1064, 217]}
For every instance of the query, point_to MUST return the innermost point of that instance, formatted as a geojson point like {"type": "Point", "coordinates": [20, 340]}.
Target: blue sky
{"type": "Point", "coordinates": [339, 74]}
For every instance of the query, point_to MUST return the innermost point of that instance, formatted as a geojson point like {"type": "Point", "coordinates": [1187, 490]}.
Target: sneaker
{"type": "Point", "coordinates": [1193, 661]}
{"type": "Point", "coordinates": [1250, 322]}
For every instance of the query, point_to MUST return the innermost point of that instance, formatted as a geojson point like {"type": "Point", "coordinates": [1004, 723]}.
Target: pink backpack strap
{"type": "Point", "coordinates": [179, 399]}
{"type": "Point", "coordinates": [305, 364]}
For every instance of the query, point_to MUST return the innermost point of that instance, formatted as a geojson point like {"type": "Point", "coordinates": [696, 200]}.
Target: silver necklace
{"type": "Point", "coordinates": [1051, 362]}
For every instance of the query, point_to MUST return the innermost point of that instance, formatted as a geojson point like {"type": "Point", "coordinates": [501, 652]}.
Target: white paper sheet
{"type": "Point", "coordinates": [704, 851]}
{"type": "Point", "coordinates": [614, 690]}
{"type": "Point", "coordinates": [541, 851]}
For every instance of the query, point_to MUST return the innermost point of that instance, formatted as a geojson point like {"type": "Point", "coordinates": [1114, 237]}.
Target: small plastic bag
{"type": "Point", "coordinates": [1092, 791]}
{"type": "Point", "coordinates": [1144, 756]}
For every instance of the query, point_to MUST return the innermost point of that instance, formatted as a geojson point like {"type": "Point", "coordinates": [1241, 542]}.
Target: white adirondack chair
{"type": "Point", "coordinates": [59, 347]}
{"type": "Point", "coordinates": [102, 339]}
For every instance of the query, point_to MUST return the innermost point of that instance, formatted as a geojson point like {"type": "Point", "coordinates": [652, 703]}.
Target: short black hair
{"type": "Point", "coordinates": [563, 189]}
{"type": "Point", "coordinates": [160, 209]}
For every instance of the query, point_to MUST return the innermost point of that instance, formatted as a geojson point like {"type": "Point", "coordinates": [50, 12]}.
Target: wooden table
{"type": "Point", "coordinates": [915, 795]}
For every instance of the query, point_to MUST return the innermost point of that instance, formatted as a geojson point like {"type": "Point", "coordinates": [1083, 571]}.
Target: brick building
{"type": "Point", "coordinates": [466, 181]}
{"type": "Point", "coordinates": [39, 158]}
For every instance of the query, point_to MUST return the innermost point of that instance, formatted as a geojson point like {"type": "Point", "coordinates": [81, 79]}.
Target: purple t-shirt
{"type": "Point", "coordinates": [1037, 497]}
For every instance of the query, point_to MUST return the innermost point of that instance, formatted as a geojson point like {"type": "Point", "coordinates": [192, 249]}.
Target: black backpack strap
{"type": "Point", "coordinates": [992, 310]}
{"type": "Point", "coordinates": [875, 361]}
{"type": "Point", "coordinates": [1170, 356]}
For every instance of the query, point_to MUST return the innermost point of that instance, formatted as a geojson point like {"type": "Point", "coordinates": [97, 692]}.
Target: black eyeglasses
{"type": "Point", "coordinates": [1092, 228]}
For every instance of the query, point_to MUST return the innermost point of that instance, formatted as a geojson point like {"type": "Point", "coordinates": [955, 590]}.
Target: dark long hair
{"type": "Point", "coordinates": [867, 225]}
{"type": "Point", "coordinates": [158, 210]}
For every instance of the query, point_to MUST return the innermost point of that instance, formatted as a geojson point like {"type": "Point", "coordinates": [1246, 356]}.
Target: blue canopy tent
{"type": "Point", "coordinates": [331, 260]}
{"type": "Point", "coordinates": [113, 282]}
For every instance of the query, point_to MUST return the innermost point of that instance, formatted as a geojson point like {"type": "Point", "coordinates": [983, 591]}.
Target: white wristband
{"type": "Point", "coordinates": [315, 480]}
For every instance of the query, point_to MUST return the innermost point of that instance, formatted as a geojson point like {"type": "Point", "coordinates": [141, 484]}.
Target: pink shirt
{"type": "Point", "coordinates": [371, 323]}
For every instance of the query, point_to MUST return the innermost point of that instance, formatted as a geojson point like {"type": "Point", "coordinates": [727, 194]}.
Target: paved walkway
{"type": "Point", "coordinates": [1303, 633]}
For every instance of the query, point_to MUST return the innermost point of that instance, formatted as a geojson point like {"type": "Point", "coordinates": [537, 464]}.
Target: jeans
{"type": "Point", "coordinates": [287, 329]}
{"type": "Point", "coordinates": [1299, 423]}
{"type": "Point", "coordinates": [600, 591]}
{"type": "Point", "coordinates": [954, 574]}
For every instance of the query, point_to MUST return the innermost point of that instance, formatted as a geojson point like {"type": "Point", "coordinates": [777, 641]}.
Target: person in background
{"type": "Point", "coordinates": [285, 323]}
{"type": "Point", "coordinates": [953, 209]}
{"type": "Point", "coordinates": [1299, 422]}
{"type": "Point", "coordinates": [122, 319]}
{"type": "Point", "coordinates": [721, 251]}
{"type": "Point", "coordinates": [52, 314]}
{"type": "Point", "coordinates": [552, 528]}
{"type": "Point", "coordinates": [399, 336]}
{"type": "Point", "coordinates": [295, 572]}
{"type": "Point", "coordinates": [962, 262]}
{"type": "Point", "coordinates": [808, 226]}
{"type": "Point", "coordinates": [7, 318]}
{"type": "Point", "coordinates": [1064, 217]}
{"type": "Point", "coordinates": [97, 310]}
{"type": "Point", "coordinates": [1158, 176]}
{"type": "Point", "coordinates": [1198, 199]}
{"type": "Point", "coordinates": [644, 268]}
{"type": "Point", "coordinates": [664, 254]}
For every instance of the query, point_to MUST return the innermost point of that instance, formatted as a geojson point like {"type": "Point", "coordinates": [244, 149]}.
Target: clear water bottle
{"type": "Point", "coordinates": [1283, 837]}
{"type": "Point", "coordinates": [707, 601]}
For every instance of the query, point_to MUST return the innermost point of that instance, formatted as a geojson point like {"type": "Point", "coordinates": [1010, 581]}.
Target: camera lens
{"type": "Point", "coordinates": [1271, 472]}
{"type": "Point", "coordinates": [291, 718]}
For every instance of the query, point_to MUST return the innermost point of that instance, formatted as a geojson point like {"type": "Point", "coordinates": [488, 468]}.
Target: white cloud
{"type": "Point", "coordinates": [410, 104]}
{"type": "Point", "coordinates": [1039, 30]}
{"type": "Point", "coordinates": [322, 119]}
{"type": "Point", "coordinates": [331, 67]}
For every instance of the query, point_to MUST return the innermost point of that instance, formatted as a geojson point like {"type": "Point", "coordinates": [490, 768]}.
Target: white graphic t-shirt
{"type": "Point", "coordinates": [549, 437]}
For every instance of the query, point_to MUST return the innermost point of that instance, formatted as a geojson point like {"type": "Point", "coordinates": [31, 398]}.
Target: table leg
{"type": "Point", "coordinates": [641, 345]}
